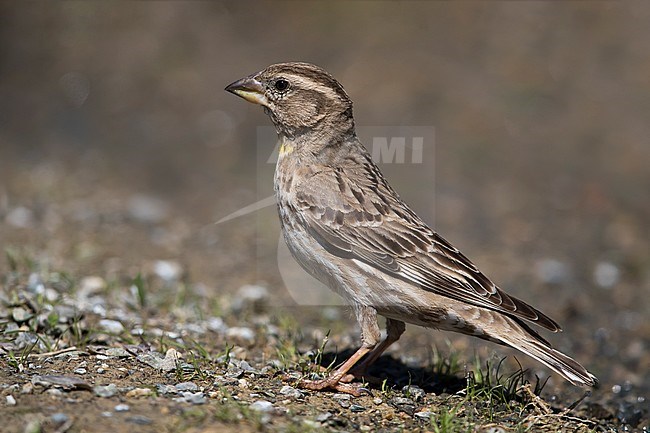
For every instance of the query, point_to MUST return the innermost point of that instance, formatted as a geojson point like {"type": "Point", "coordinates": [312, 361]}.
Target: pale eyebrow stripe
{"type": "Point", "coordinates": [312, 84]}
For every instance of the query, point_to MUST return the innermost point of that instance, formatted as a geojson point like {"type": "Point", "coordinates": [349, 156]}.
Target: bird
{"type": "Point", "coordinates": [346, 226]}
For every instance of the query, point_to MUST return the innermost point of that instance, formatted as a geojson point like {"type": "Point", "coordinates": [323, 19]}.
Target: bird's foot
{"type": "Point", "coordinates": [336, 384]}
{"type": "Point", "coordinates": [363, 375]}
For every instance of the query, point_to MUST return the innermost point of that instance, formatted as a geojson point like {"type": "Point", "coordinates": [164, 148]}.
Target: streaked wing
{"type": "Point", "coordinates": [353, 213]}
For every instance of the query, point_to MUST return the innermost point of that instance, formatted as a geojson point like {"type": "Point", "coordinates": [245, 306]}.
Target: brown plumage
{"type": "Point", "coordinates": [346, 226]}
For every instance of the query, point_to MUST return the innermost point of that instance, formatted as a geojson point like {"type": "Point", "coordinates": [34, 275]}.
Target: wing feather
{"type": "Point", "coordinates": [361, 217]}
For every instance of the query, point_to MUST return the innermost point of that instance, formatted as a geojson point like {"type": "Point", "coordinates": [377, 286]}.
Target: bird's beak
{"type": "Point", "coordinates": [250, 89]}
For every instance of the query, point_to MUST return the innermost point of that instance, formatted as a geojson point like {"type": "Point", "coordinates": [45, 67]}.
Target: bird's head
{"type": "Point", "coordinates": [299, 97]}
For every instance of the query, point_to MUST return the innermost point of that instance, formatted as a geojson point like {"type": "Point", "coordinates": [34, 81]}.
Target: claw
{"type": "Point", "coordinates": [333, 381]}
{"type": "Point", "coordinates": [365, 390]}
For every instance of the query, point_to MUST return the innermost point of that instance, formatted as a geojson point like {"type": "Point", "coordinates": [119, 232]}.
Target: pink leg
{"type": "Point", "coordinates": [394, 330]}
{"type": "Point", "coordinates": [333, 381]}
{"type": "Point", "coordinates": [367, 318]}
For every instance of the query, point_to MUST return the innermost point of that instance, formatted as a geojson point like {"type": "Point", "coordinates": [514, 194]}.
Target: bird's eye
{"type": "Point", "coordinates": [281, 85]}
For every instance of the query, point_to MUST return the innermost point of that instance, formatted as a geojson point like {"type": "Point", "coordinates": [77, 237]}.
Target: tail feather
{"type": "Point", "coordinates": [533, 345]}
{"type": "Point", "coordinates": [557, 361]}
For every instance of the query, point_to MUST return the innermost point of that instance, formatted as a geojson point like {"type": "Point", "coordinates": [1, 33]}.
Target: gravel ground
{"type": "Point", "coordinates": [87, 352]}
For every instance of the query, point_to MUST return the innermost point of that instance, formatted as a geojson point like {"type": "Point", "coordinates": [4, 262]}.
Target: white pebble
{"type": "Point", "coordinates": [112, 326]}
{"type": "Point", "coordinates": [20, 217]}
{"type": "Point", "coordinates": [148, 209]}
{"type": "Point", "coordinates": [424, 415]}
{"type": "Point", "coordinates": [241, 334]}
{"type": "Point", "coordinates": [262, 406]}
{"type": "Point", "coordinates": [606, 275]}
{"type": "Point", "coordinates": [167, 270]}
{"type": "Point", "coordinates": [217, 324]}
{"type": "Point", "coordinates": [552, 271]}
{"type": "Point", "coordinates": [91, 285]}
{"type": "Point", "coordinates": [122, 408]}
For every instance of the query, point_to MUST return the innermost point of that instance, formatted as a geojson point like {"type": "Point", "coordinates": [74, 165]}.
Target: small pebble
{"type": "Point", "coordinates": [20, 217]}
{"type": "Point", "coordinates": [290, 391]}
{"type": "Point", "coordinates": [35, 283]}
{"type": "Point", "coordinates": [152, 359]}
{"type": "Point", "coordinates": [552, 271]}
{"type": "Point", "coordinates": [25, 339]}
{"type": "Point", "coordinates": [606, 275]}
{"type": "Point", "coordinates": [403, 404]}
{"type": "Point", "coordinates": [172, 357]}
{"type": "Point", "coordinates": [117, 352]}
{"type": "Point", "coordinates": [357, 408]}
{"type": "Point", "coordinates": [147, 209]}
{"type": "Point", "coordinates": [234, 372]}
{"type": "Point", "coordinates": [80, 371]}
{"type": "Point", "coordinates": [245, 366]}
{"type": "Point", "coordinates": [11, 401]}
{"type": "Point", "coordinates": [111, 326]}
{"type": "Point", "coordinates": [192, 397]}
{"type": "Point", "coordinates": [194, 328]}
{"type": "Point", "coordinates": [253, 297]}
{"type": "Point", "coordinates": [139, 420]}
{"type": "Point", "coordinates": [122, 408]}
{"type": "Point", "coordinates": [67, 313]}
{"type": "Point", "coordinates": [105, 391]}
{"type": "Point", "coordinates": [168, 270]}
{"type": "Point", "coordinates": [424, 415]}
{"type": "Point", "coordinates": [20, 315]}
{"type": "Point", "coordinates": [166, 389]}
{"type": "Point", "coordinates": [251, 292]}
{"type": "Point", "coordinates": [92, 285]}
{"type": "Point", "coordinates": [377, 400]}
{"type": "Point", "coordinates": [65, 382]}
{"type": "Point", "coordinates": [415, 392]}
{"type": "Point", "coordinates": [217, 324]}
{"type": "Point", "coordinates": [322, 417]}
{"type": "Point", "coordinates": [241, 334]}
{"type": "Point", "coordinates": [262, 406]}
{"type": "Point", "coordinates": [51, 295]}
{"type": "Point", "coordinates": [187, 386]}
{"type": "Point", "coordinates": [139, 392]}
{"type": "Point", "coordinates": [59, 418]}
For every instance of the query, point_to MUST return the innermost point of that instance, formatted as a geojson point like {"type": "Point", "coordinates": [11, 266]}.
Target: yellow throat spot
{"type": "Point", "coordinates": [285, 149]}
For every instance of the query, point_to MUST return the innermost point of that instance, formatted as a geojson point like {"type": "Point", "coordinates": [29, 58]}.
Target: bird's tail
{"type": "Point", "coordinates": [533, 345]}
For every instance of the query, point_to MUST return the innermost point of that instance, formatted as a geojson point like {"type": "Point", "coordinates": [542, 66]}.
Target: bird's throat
{"type": "Point", "coordinates": [285, 148]}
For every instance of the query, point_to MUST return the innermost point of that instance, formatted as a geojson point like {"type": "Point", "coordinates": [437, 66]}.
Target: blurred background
{"type": "Point", "coordinates": [119, 147]}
